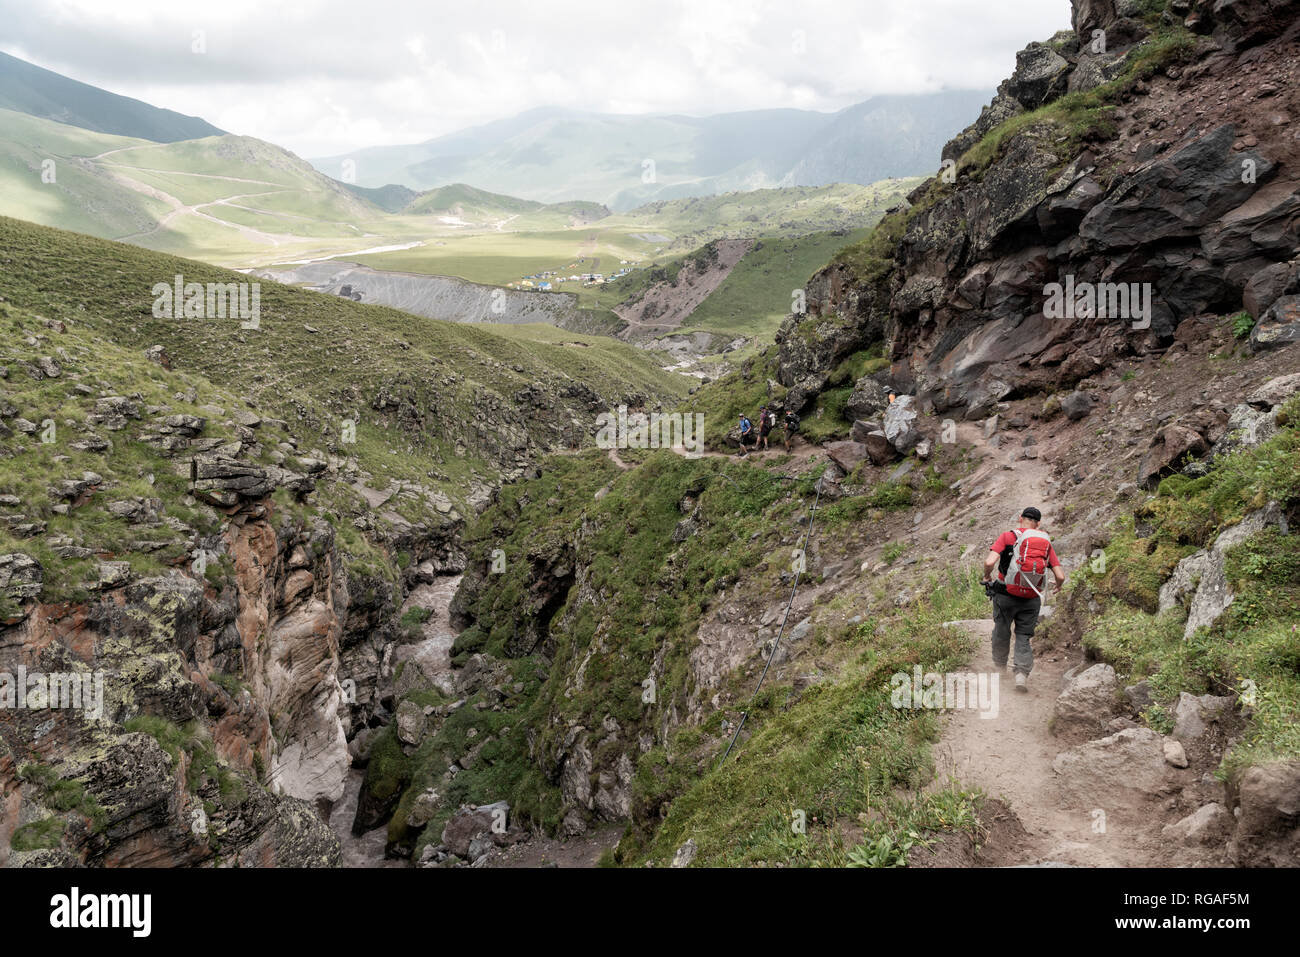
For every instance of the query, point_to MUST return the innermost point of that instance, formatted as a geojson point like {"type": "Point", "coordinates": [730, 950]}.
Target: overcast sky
{"type": "Point", "coordinates": [322, 77]}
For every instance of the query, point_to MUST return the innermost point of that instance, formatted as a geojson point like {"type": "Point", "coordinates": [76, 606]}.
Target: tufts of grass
{"type": "Point", "coordinates": [838, 752]}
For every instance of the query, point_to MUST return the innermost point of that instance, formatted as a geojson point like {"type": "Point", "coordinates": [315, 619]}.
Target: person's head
{"type": "Point", "coordinates": [1031, 517]}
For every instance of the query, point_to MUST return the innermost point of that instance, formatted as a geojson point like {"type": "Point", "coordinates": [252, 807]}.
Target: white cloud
{"type": "Point", "coordinates": [329, 76]}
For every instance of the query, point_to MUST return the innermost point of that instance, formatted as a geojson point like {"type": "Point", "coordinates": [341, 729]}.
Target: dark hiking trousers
{"type": "Point", "coordinates": [1022, 614]}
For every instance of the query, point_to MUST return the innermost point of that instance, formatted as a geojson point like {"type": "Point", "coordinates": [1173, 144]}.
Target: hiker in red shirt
{"type": "Point", "coordinates": [1022, 558]}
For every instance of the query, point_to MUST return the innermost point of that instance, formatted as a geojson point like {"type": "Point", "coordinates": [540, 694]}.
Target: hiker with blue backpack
{"type": "Point", "coordinates": [1022, 557]}
{"type": "Point", "coordinates": [746, 434]}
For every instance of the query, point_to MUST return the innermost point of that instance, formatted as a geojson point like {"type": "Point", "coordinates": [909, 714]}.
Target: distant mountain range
{"type": "Point", "coordinates": [80, 158]}
{"type": "Point", "coordinates": [555, 155]}
{"type": "Point", "coordinates": [27, 88]}
{"type": "Point", "coordinates": [552, 154]}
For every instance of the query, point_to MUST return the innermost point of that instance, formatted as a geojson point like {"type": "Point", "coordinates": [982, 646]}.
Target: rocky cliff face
{"type": "Point", "coordinates": [1150, 152]}
{"type": "Point", "coordinates": [221, 731]}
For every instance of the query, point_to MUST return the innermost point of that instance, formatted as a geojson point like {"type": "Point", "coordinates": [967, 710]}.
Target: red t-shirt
{"type": "Point", "coordinates": [1007, 539]}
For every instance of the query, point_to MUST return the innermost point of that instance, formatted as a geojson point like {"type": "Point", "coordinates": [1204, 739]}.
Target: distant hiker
{"type": "Point", "coordinates": [746, 433]}
{"type": "Point", "coordinates": [791, 427]}
{"type": "Point", "coordinates": [765, 422]}
{"type": "Point", "coordinates": [1022, 558]}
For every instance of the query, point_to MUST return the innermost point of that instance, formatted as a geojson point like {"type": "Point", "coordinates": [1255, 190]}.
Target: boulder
{"type": "Point", "coordinates": [410, 722]}
{"type": "Point", "coordinates": [470, 822]}
{"type": "Point", "coordinates": [1192, 714]}
{"type": "Point", "coordinates": [113, 411]}
{"type": "Point", "coordinates": [224, 481]}
{"type": "Point", "coordinates": [1076, 405]}
{"type": "Point", "coordinates": [1175, 753]}
{"type": "Point", "coordinates": [1278, 327]}
{"type": "Point", "coordinates": [900, 424]}
{"type": "Point", "coordinates": [1130, 762]}
{"type": "Point", "coordinates": [869, 399]}
{"type": "Point", "coordinates": [112, 574]}
{"type": "Point", "coordinates": [847, 455]}
{"type": "Point", "coordinates": [1095, 69]}
{"type": "Point", "coordinates": [1087, 703]}
{"type": "Point", "coordinates": [1246, 428]}
{"type": "Point", "coordinates": [1268, 826]}
{"type": "Point", "coordinates": [878, 448]}
{"type": "Point", "coordinates": [1169, 448]}
{"type": "Point", "coordinates": [685, 854]}
{"type": "Point", "coordinates": [1139, 695]}
{"type": "Point", "coordinates": [1200, 579]}
{"type": "Point", "coordinates": [1040, 76]}
{"type": "Point", "coordinates": [1274, 392]}
{"type": "Point", "coordinates": [861, 429]}
{"type": "Point", "coordinates": [159, 355]}
{"type": "Point", "coordinates": [1267, 286]}
{"type": "Point", "coordinates": [21, 577]}
{"type": "Point", "coordinates": [1206, 825]}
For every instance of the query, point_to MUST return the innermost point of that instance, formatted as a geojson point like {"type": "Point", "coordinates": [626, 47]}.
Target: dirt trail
{"type": "Point", "coordinates": [540, 851]}
{"type": "Point", "coordinates": [1010, 756]}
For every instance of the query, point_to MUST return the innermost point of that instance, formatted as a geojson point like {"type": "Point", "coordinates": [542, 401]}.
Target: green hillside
{"type": "Point", "coordinates": [430, 398]}
{"type": "Point", "coordinates": [469, 203]}
{"type": "Point", "coordinates": [229, 199]}
{"type": "Point", "coordinates": [390, 198]}
{"type": "Point", "coordinates": [757, 295]}
{"type": "Point", "coordinates": [790, 211]}
{"type": "Point", "coordinates": [27, 88]}
{"type": "Point", "coordinates": [81, 196]}
{"type": "Point", "coordinates": [657, 233]}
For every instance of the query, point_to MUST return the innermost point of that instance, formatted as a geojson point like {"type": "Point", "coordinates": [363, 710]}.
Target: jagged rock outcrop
{"type": "Point", "coordinates": [243, 672]}
{"type": "Point", "coordinates": [843, 317]}
{"type": "Point", "coordinates": [1091, 236]}
{"type": "Point", "coordinates": [1200, 580]}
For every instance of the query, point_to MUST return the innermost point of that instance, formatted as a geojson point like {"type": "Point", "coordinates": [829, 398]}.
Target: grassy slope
{"type": "Point", "coordinates": [790, 211]}
{"type": "Point", "coordinates": [656, 233]}
{"type": "Point", "coordinates": [1255, 640]}
{"type": "Point", "coordinates": [81, 197]}
{"type": "Point", "coordinates": [94, 193]}
{"type": "Point", "coordinates": [469, 203]}
{"type": "Point", "coordinates": [317, 379]}
{"type": "Point", "coordinates": [757, 295]}
{"type": "Point", "coordinates": [259, 204]}
{"type": "Point", "coordinates": [30, 89]}
{"type": "Point", "coordinates": [835, 750]}
{"type": "Point", "coordinates": [30, 464]}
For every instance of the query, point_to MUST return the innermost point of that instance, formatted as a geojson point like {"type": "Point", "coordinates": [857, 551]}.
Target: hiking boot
{"type": "Point", "coordinates": [1022, 681]}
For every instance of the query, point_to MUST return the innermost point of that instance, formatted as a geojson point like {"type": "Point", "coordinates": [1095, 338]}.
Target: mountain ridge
{"type": "Point", "coordinates": [691, 156]}
{"type": "Point", "coordinates": [28, 88]}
